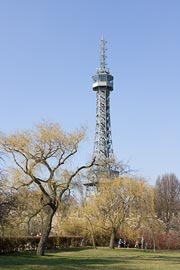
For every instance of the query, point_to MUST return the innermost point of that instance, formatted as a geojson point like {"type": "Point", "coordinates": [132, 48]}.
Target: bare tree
{"type": "Point", "coordinates": [167, 198]}
{"type": "Point", "coordinates": [8, 203]}
{"type": "Point", "coordinates": [41, 155]}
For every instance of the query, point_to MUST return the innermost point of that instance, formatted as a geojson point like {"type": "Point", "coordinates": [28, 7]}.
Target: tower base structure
{"type": "Point", "coordinates": [98, 175]}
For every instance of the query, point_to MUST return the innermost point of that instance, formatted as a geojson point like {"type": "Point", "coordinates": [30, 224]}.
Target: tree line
{"type": "Point", "coordinates": [41, 194]}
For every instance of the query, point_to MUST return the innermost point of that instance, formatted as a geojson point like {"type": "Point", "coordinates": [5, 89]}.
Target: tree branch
{"type": "Point", "coordinates": [74, 174]}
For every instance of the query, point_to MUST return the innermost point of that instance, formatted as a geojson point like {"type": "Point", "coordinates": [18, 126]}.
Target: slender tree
{"type": "Point", "coordinates": [167, 198]}
{"type": "Point", "coordinates": [110, 207]}
{"type": "Point", "coordinates": [8, 203]}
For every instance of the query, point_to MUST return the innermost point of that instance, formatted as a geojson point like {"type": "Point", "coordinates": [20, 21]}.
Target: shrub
{"type": "Point", "coordinates": [20, 244]}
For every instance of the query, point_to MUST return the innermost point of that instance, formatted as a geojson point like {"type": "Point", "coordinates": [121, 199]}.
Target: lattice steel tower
{"type": "Point", "coordinates": [103, 85]}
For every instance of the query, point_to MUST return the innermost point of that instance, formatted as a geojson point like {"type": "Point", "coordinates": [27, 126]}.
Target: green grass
{"type": "Point", "coordinates": [87, 259]}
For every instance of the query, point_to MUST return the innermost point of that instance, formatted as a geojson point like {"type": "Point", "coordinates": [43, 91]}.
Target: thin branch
{"type": "Point", "coordinates": [74, 174]}
{"type": "Point", "coordinates": [17, 163]}
{"type": "Point", "coordinates": [61, 162]}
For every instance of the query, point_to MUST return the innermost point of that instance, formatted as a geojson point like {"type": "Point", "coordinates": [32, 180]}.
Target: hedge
{"type": "Point", "coordinates": [20, 244]}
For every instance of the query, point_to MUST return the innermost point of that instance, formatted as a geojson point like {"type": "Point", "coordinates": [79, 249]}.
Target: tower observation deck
{"type": "Point", "coordinates": [103, 85]}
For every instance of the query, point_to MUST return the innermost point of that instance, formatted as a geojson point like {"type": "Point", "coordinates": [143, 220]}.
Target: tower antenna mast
{"type": "Point", "coordinates": [103, 54]}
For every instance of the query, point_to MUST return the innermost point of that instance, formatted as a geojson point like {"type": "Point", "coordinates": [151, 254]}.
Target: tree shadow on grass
{"type": "Point", "coordinates": [118, 261]}
{"type": "Point", "coordinates": [60, 263]}
{"type": "Point", "coordinates": [69, 250]}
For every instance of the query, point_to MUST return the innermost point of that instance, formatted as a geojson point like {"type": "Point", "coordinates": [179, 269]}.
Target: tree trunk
{"type": "Point", "coordinates": [92, 232]}
{"type": "Point", "coordinates": [112, 239]}
{"type": "Point", "coordinates": [46, 230]}
{"type": "Point", "coordinates": [154, 241]}
{"type": "Point", "coordinates": [93, 240]}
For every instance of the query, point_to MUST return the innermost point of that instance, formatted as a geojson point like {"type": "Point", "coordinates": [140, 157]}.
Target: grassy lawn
{"type": "Point", "coordinates": [87, 258]}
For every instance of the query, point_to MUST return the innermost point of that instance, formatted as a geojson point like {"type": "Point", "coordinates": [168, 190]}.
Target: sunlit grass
{"type": "Point", "coordinates": [87, 258]}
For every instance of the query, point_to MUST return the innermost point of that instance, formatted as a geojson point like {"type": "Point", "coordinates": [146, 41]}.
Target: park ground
{"type": "Point", "coordinates": [88, 258]}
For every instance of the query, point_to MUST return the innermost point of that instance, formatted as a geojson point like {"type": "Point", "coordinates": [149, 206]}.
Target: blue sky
{"type": "Point", "coordinates": [50, 49]}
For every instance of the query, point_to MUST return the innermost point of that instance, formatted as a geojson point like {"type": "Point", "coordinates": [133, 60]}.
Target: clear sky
{"type": "Point", "coordinates": [49, 50]}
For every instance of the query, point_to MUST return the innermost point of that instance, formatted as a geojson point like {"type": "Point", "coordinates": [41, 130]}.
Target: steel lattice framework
{"type": "Point", "coordinates": [103, 85]}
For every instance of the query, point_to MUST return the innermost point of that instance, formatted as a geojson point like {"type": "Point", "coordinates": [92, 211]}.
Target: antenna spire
{"type": "Point", "coordinates": [103, 55]}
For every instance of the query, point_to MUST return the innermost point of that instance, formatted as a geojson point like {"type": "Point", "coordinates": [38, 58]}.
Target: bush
{"type": "Point", "coordinates": [20, 244]}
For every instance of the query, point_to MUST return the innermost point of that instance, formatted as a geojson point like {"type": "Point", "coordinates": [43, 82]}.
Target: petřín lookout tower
{"type": "Point", "coordinates": [103, 85]}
